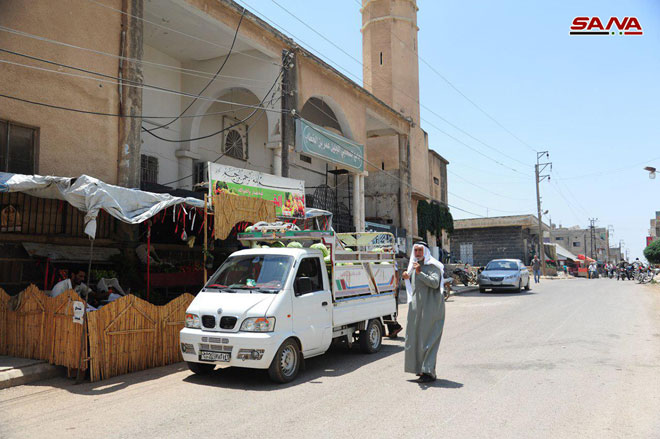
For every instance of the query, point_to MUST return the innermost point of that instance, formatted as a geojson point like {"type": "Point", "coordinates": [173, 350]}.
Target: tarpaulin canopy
{"type": "Point", "coordinates": [563, 254]}
{"type": "Point", "coordinates": [89, 195]}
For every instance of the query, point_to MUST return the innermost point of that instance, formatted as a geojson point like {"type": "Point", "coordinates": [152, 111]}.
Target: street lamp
{"type": "Point", "coordinates": [651, 170]}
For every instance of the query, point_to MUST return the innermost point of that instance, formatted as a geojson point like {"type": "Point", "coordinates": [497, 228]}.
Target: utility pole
{"type": "Point", "coordinates": [538, 168]}
{"type": "Point", "coordinates": [592, 235]}
{"type": "Point", "coordinates": [130, 98]}
{"type": "Point", "coordinates": [289, 105]}
{"type": "Point", "coordinates": [610, 232]}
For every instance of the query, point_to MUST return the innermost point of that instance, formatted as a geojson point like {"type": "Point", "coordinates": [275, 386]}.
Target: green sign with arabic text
{"type": "Point", "coordinates": [317, 141]}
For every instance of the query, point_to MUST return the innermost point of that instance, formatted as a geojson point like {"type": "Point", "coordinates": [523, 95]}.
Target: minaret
{"type": "Point", "coordinates": [389, 53]}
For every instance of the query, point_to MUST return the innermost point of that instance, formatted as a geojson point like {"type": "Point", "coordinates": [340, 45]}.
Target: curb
{"type": "Point", "coordinates": [29, 374]}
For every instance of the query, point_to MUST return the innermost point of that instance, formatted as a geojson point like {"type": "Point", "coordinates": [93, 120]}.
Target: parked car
{"type": "Point", "coordinates": [504, 274]}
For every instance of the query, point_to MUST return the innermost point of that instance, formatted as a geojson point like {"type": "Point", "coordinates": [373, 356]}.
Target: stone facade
{"type": "Point", "coordinates": [488, 243]}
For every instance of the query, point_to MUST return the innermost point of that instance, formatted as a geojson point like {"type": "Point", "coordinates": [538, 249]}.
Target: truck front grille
{"type": "Point", "coordinates": [228, 322]}
{"type": "Point", "coordinates": [208, 321]}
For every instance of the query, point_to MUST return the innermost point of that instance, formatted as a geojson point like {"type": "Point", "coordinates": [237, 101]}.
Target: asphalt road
{"type": "Point", "coordinates": [569, 359]}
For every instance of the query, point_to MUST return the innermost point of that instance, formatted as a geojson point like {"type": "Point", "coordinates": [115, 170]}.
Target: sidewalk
{"type": "Point", "coordinates": [17, 371]}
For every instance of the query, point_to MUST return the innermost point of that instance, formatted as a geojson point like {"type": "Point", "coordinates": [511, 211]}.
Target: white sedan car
{"type": "Point", "coordinates": [503, 274]}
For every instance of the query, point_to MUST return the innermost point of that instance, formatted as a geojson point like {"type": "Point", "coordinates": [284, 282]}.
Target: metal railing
{"type": "Point", "coordinates": [27, 215]}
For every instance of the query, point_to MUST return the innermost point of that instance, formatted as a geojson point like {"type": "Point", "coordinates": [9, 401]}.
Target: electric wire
{"type": "Point", "coordinates": [144, 20]}
{"type": "Point", "coordinates": [219, 157]}
{"type": "Point", "coordinates": [208, 84]}
{"type": "Point", "coordinates": [125, 82]}
{"type": "Point", "coordinates": [223, 129]}
{"type": "Point", "coordinates": [185, 71]}
{"type": "Point", "coordinates": [456, 89]}
{"type": "Point", "coordinates": [486, 189]}
{"type": "Point", "coordinates": [377, 168]}
{"type": "Point", "coordinates": [98, 113]}
{"type": "Point", "coordinates": [393, 86]}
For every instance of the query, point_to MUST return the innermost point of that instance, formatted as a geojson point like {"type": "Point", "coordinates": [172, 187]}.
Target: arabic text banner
{"type": "Point", "coordinates": [287, 194]}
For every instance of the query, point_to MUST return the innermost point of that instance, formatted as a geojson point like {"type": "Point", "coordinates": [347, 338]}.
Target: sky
{"type": "Point", "coordinates": [593, 102]}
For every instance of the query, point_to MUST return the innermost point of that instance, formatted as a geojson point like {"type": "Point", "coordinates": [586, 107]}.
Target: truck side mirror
{"type": "Point", "coordinates": [302, 285]}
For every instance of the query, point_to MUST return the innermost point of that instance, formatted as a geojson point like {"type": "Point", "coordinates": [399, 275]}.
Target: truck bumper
{"type": "Point", "coordinates": [240, 345]}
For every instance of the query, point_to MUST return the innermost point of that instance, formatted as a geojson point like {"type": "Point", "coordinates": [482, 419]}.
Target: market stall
{"type": "Point", "coordinates": [128, 333]}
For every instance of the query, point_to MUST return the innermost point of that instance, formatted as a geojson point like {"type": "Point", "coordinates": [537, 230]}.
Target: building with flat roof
{"type": "Point", "coordinates": [477, 241]}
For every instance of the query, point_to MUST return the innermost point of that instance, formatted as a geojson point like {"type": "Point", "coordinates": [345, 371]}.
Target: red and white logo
{"type": "Point", "coordinates": [611, 26]}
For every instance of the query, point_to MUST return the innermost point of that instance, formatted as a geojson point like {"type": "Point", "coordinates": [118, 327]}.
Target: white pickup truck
{"type": "Point", "coordinates": [269, 308]}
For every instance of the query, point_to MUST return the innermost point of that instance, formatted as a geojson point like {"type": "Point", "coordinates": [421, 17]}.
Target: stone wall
{"type": "Point", "coordinates": [492, 243]}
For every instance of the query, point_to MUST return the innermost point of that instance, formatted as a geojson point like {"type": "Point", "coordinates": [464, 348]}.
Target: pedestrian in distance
{"type": "Point", "coordinates": [536, 268]}
{"type": "Point", "coordinates": [592, 271]}
{"type": "Point", "coordinates": [426, 313]}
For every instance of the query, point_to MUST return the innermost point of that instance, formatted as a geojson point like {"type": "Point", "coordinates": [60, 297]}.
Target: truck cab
{"type": "Point", "coordinates": [269, 308]}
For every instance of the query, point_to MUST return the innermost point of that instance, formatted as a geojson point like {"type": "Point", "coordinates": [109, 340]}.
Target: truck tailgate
{"type": "Point", "coordinates": [361, 308]}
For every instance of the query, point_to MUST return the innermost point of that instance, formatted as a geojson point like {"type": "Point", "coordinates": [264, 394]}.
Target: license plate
{"type": "Point", "coordinates": [214, 356]}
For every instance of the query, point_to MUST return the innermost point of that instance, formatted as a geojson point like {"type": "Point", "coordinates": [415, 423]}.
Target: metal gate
{"type": "Point", "coordinates": [466, 253]}
{"type": "Point", "coordinates": [326, 198]}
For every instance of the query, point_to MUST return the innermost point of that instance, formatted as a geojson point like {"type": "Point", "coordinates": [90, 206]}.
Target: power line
{"type": "Point", "coordinates": [185, 71]}
{"type": "Point", "coordinates": [444, 78]}
{"type": "Point", "coordinates": [208, 84]}
{"type": "Point", "coordinates": [126, 82]}
{"type": "Point", "coordinates": [393, 86]}
{"type": "Point", "coordinates": [416, 100]}
{"type": "Point", "coordinates": [144, 20]}
{"type": "Point", "coordinates": [481, 205]}
{"type": "Point", "coordinates": [486, 189]}
{"type": "Point", "coordinates": [224, 129]}
{"type": "Point", "coordinates": [381, 170]}
{"type": "Point", "coordinates": [98, 113]}
{"type": "Point", "coordinates": [220, 156]}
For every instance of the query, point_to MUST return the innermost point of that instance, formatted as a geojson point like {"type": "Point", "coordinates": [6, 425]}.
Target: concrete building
{"type": "Point", "coordinates": [477, 241]}
{"type": "Point", "coordinates": [151, 58]}
{"type": "Point", "coordinates": [579, 241]}
{"type": "Point", "coordinates": [654, 230]}
{"type": "Point", "coordinates": [616, 255]}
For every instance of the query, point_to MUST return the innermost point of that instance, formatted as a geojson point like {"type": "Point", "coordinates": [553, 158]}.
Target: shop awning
{"type": "Point", "coordinates": [90, 195]}
{"type": "Point", "coordinates": [69, 253]}
{"type": "Point", "coordinates": [563, 254]}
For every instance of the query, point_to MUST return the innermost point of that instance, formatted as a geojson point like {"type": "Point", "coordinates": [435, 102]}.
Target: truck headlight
{"type": "Point", "coordinates": [192, 321]}
{"type": "Point", "coordinates": [258, 324]}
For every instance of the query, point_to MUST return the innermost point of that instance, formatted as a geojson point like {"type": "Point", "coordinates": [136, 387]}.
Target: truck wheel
{"type": "Point", "coordinates": [286, 363]}
{"type": "Point", "coordinates": [200, 368]}
{"type": "Point", "coordinates": [371, 339]}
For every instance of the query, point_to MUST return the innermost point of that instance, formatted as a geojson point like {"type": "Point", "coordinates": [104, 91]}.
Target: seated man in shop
{"type": "Point", "coordinates": [75, 282]}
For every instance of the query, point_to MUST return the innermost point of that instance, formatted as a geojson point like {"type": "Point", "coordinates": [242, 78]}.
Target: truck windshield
{"type": "Point", "coordinates": [265, 273]}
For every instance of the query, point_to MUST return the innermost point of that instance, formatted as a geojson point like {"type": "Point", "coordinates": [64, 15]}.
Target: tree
{"type": "Point", "coordinates": [652, 252]}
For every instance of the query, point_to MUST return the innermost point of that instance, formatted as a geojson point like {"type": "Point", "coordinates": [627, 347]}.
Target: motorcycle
{"type": "Point", "coordinates": [462, 275]}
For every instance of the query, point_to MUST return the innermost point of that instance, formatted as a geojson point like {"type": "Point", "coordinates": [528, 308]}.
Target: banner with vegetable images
{"type": "Point", "coordinates": [287, 194]}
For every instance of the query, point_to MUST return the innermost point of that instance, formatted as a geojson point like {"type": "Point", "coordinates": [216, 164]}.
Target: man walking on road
{"type": "Point", "coordinates": [536, 268]}
{"type": "Point", "coordinates": [426, 313]}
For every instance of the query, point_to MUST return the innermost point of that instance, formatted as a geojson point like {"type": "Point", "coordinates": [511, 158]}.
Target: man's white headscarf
{"type": "Point", "coordinates": [428, 260]}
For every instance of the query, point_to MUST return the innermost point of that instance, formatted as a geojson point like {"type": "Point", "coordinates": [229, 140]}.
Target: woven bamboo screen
{"type": "Point", "coordinates": [63, 336]}
{"type": "Point", "coordinates": [26, 325]}
{"type": "Point", "coordinates": [124, 336]}
{"type": "Point", "coordinates": [4, 307]}
{"type": "Point", "coordinates": [131, 334]}
{"type": "Point", "coordinates": [172, 320]}
{"type": "Point", "coordinates": [230, 209]}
